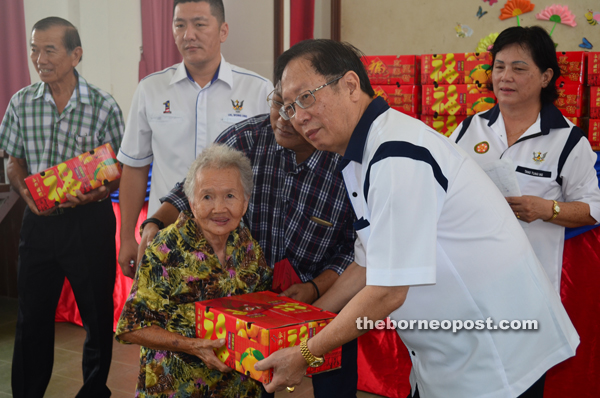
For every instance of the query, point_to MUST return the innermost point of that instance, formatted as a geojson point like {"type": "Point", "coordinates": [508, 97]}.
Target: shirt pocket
{"type": "Point", "coordinates": [535, 182]}
{"type": "Point", "coordinates": [86, 143]}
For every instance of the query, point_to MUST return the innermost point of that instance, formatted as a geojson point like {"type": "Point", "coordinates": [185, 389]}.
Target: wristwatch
{"type": "Point", "coordinates": [311, 360]}
{"type": "Point", "coordinates": [555, 210]}
{"type": "Point", "coordinates": [156, 221]}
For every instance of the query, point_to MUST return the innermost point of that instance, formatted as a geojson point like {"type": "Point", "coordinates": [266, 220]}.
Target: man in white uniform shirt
{"type": "Point", "coordinates": [436, 243]}
{"type": "Point", "coordinates": [179, 111]}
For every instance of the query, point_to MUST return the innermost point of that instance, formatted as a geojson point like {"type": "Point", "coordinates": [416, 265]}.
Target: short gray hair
{"type": "Point", "coordinates": [218, 156]}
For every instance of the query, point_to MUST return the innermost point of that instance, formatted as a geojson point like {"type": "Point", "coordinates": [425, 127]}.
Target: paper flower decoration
{"type": "Point", "coordinates": [557, 14]}
{"type": "Point", "coordinates": [514, 8]}
{"type": "Point", "coordinates": [492, 2]}
{"type": "Point", "coordinates": [486, 43]}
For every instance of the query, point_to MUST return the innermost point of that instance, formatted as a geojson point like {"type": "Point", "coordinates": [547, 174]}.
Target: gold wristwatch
{"type": "Point", "coordinates": [555, 210]}
{"type": "Point", "coordinates": [311, 360]}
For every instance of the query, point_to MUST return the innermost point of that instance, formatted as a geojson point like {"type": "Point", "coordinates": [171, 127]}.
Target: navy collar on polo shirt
{"type": "Point", "coordinates": [215, 76]}
{"type": "Point", "coordinates": [550, 118]}
{"type": "Point", "coordinates": [356, 145]}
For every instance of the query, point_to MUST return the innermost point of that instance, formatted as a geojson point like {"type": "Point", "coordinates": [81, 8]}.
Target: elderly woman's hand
{"type": "Point", "coordinates": [203, 349]}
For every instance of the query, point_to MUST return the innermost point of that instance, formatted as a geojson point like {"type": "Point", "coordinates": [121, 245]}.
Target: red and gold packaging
{"type": "Point", "coordinates": [257, 324]}
{"type": "Point", "coordinates": [594, 134]}
{"type": "Point", "coordinates": [572, 100]}
{"type": "Point", "coordinates": [392, 69]}
{"type": "Point", "coordinates": [595, 102]}
{"type": "Point", "coordinates": [406, 99]}
{"type": "Point", "coordinates": [572, 67]}
{"type": "Point", "coordinates": [593, 69]}
{"type": "Point", "coordinates": [443, 124]}
{"type": "Point", "coordinates": [85, 172]}
{"type": "Point", "coordinates": [454, 100]}
{"type": "Point", "coordinates": [443, 68]}
{"type": "Point", "coordinates": [478, 68]}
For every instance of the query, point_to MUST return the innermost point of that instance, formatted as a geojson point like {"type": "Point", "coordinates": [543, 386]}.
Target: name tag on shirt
{"type": "Point", "coordinates": [234, 118]}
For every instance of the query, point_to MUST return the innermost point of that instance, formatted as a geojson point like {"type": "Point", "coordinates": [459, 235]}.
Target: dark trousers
{"type": "Point", "coordinates": [79, 245]}
{"type": "Point", "coordinates": [340, 383]}
{"type": "Point", "coordinates": [535, 391]}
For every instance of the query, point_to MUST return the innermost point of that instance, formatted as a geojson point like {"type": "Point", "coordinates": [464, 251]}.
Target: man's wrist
{"type": "Point", "coordinates": [152, 220]}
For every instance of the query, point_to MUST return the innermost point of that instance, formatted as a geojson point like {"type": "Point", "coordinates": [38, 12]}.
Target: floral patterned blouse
{"type": "Point", "coordinates": [178, 269]}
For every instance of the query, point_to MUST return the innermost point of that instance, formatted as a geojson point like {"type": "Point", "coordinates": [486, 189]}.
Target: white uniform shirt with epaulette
{"type": "Point", "coordinates": [172, 119]}
{"type": "Point", "coordinates": [553, 160]}
{"type": "Point", "coordinates": [430, 218]}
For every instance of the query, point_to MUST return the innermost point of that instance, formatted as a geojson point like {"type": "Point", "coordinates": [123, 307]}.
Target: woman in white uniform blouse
{"type": "Point", "coordinates": [553, 160]}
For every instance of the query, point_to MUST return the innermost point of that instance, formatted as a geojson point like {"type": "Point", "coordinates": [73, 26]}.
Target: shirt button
{"type": "Point", "coordinates": [413, 353]}
{"type": "Point", "coordinates": [354, 194]}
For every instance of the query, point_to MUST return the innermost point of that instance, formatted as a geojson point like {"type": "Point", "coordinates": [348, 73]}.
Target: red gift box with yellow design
{"type": "Point", "coordinates": [478, 68]}
{"type": "Point", "coordinates": [456, 68]}
{"type": "Point", "coordinates": [459, 99]}
{"type": "Point", "coordinates": [257, 324]}
{"type": "Point", "coordinates": [443, 68]}
{"type": "Point", "coordinates": [85, 172]}
{"type": "Point", "coordinates": [391, 69]}
{"type": "Point", "coordinates": [406, 99]}
{"type": "Point", "coordinates": [443, 124]}
{"type": "Point", "coordinates": [572, 100]}
{"type": "Point", "coordinates": [595, 102]}
{"type": "Point", "coordinates": [572, 67]}
{"type": "Point", "coordinates": [593, 69]}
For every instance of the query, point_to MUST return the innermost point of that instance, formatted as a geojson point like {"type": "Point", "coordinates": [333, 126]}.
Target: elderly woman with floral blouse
{"type": "Point", "coordinates": [206, 254]}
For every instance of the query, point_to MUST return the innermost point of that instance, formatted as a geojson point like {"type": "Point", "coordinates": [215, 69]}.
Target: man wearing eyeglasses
{"type": "Point", "coordinates": [298, 212]}
{"type": "Point", "coordinates": [436, 242]}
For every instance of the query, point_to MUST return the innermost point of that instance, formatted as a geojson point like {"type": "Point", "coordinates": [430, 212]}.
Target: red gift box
{"type": "Point", "coordinates": [392, 69]}
{"type": "Point", "coordinates": [443, 124]}
{"type": "Point", "coordinates": [572, 67]}
{"type": "Point", "coordinates": [459, 99]}
{"type": "Point", "coordinates": [572, 100]}
{"type": "Point", "coordinates": [406, 99]}
{"type": "Point", "coordinates": [85, 172]}
{"type": "Point", "coordinates": [595, 102]}
{"type": "Point", "coordinates": [594, 134]}
{"type": "Point", "coordinates": [443, 68]}
{"type": "Point", "coordinates": [593, 69]}
{"type": "Point", "coordinates": [257, 324]}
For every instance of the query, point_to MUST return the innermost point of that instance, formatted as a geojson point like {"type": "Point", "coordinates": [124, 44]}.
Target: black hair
{"type": "Point", "coordinates": [71, 39]}
{"type": "Point", "coordinates": [329, 58]}
{"type": "Point", "coordinates": [540, 46]}
{"type": "Point", "coordinates": [216, 8]}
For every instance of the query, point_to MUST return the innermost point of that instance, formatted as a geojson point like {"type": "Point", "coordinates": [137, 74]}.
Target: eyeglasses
{"type": "Point", "coordinates": [304, 100]}
{"type": "Point", "coordinates": [273, 103]}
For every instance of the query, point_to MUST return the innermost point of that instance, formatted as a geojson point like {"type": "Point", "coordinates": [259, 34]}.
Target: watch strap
{"type": "Point", "coordinates": [156, 221]}
{"type": "Point", "coordinates": [554, 211]}
{"type": "Point", "coordinates": [310, 359]}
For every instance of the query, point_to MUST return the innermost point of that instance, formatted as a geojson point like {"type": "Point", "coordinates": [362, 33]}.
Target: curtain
{"type": "Point", "coordinates": [302, 20]}
{"type": "Point", "coordinates": [158, 47]}
{"type": "Point", "coordinates": [13, 68]}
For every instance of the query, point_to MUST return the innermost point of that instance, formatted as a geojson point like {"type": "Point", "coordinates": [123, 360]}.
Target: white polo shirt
{"type": "Point", "coordinates": [430, 218]}
{"type": "Point", "coordinates": [172, 119]}
{"type": "Point", "coordinates": [553, 160]}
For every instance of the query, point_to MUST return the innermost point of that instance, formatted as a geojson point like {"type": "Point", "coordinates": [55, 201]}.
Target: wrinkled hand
{"type": "Point", "coordinates": [149, 232]}
{"type": "Point", "coordinates": [83, 199]}
{"type": "Point", "coordinates": [529, 208]}
{"type": "Point", "coordinates": [203, 349]}
{"type": "Point", "coordinates": [304, 292]}
{"type": "Point", "coordinates": [26, 195]}
{"type": "Point", "coordinates": [128, 256]}
{"type": "Point", "coordinates": [289, 367]}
